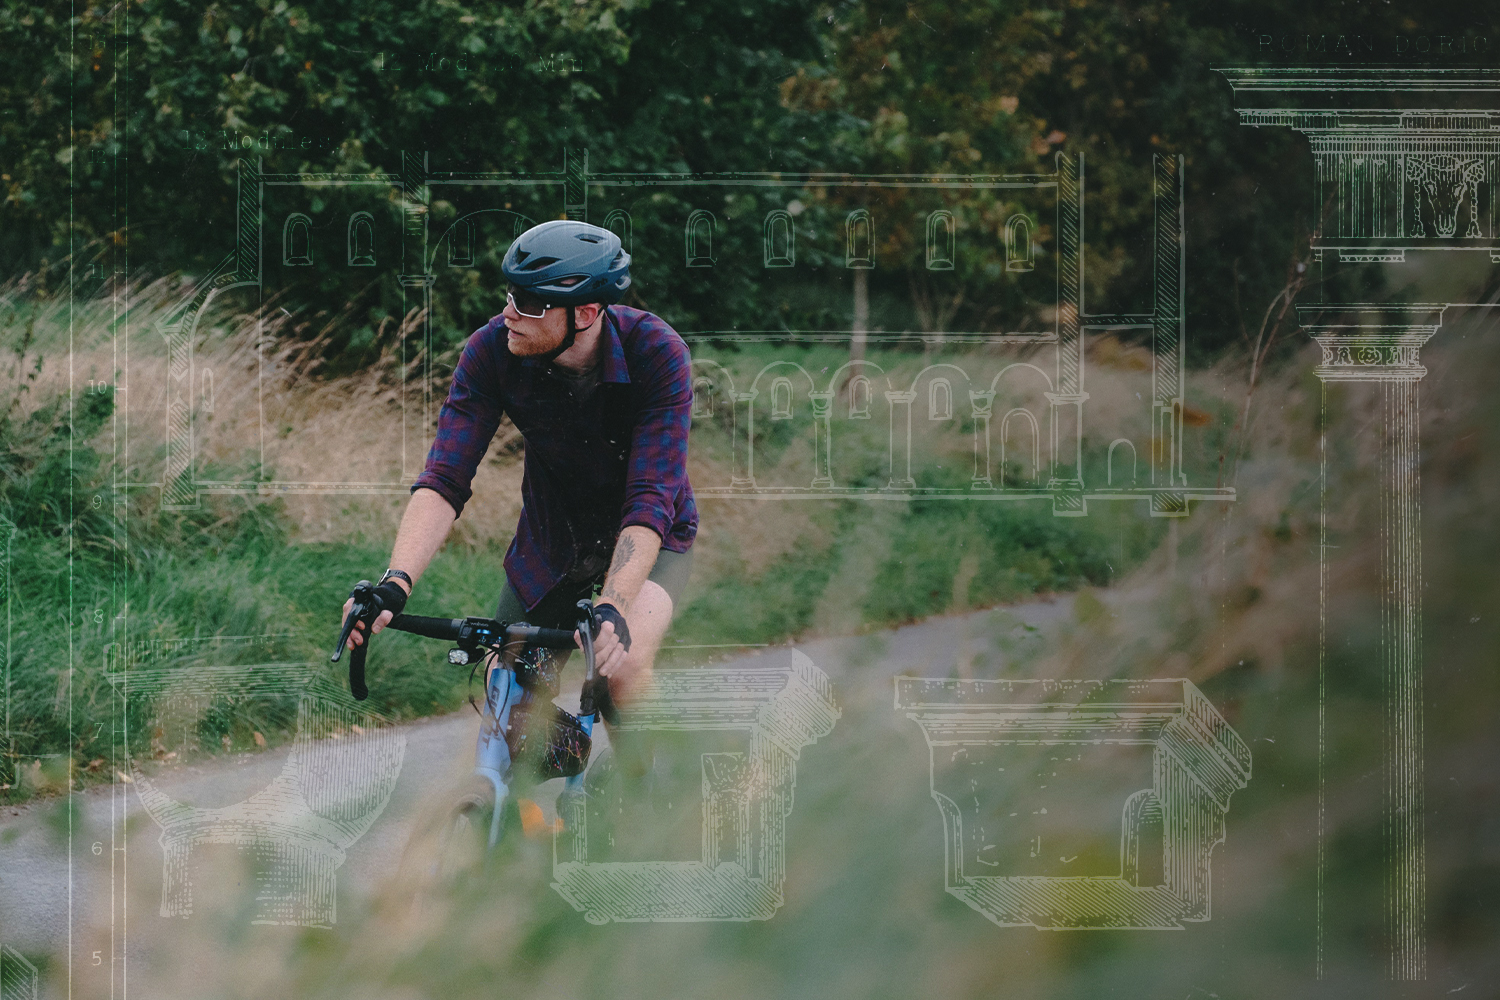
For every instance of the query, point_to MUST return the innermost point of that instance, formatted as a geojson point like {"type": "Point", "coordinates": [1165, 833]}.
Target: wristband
{"type": "Point", "coordinates": [396, 572]}
{"type": "Point", "coordinates": [610, 613]}
{"type": "Point", "coordinates": [390, 597]}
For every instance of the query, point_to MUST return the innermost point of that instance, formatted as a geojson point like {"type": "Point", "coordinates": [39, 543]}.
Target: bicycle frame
{"type": "Point", "coordinates": [503, 694]}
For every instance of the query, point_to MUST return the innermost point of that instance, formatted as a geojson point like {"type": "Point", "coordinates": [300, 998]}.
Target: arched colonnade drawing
{"type": "Point", "coordinates": [1043, 442]}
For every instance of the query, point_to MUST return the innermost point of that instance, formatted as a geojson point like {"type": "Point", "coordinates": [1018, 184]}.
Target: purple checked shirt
{"type": "Point", "coordinates": [592, 468]}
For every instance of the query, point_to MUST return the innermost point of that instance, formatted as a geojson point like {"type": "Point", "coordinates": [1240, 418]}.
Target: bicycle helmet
{"type": "Point", "coordinates": [545, 256]}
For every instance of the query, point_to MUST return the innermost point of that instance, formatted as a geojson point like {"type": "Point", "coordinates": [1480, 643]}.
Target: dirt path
{"type": "Point", "coordinates": [46, 884]}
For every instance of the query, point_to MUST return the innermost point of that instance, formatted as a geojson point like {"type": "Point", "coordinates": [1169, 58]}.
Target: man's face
{"type": "Point", "coordinates": [531, 335]}
{"type": "Point", "coordinates": [527, 335]}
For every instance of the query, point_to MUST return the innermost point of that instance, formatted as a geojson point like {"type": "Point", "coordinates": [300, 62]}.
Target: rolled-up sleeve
{"type": "Point", "coordinates": [657, 471]}
{"type": "Point", "coordinates": [466, 425]}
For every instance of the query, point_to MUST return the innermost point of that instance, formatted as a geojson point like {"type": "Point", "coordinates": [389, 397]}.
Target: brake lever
{"type": "Point", "coordinates": [595, 698]}
{"type": "Point", "coordinates": [364, 602]}
{"type": "Point", "coordinates": [363, 609]}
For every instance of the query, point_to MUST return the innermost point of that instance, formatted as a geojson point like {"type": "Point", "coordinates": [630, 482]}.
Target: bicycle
{"type": "Point", "coordinates": [517, 682]}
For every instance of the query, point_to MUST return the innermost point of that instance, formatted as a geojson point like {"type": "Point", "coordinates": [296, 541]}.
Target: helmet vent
{"type": "Point", "coordinates": [589, 238]}
{"type": "Point", "coordinates": [540, 262]}
{"type": "Point", "coordinates": [521, 256]}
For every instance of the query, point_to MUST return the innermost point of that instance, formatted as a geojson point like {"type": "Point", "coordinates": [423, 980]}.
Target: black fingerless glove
{"type": "Point", "coordinates": [610, 613]}
{"type": "Point", "coordinates": [390, 597]}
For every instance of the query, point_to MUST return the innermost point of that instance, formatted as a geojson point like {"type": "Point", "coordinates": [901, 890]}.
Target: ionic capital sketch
{"type": "Point", "coordinates": [1370, 343]}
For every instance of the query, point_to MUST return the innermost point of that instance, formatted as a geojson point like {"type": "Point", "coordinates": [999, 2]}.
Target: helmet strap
{"type": "Point", "coordinates": [567, 341]}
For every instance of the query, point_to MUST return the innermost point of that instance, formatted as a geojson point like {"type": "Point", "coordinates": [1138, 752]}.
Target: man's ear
{"type": "Point", "coordinates": [587, 313]}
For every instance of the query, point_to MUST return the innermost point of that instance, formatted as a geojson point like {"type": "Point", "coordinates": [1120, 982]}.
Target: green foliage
{"type": "Point", "coordinates": [128, 123]}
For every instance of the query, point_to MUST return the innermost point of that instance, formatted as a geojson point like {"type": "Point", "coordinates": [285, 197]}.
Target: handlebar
{"type": "Point", "coordinates": [432, 628]}
{"type": "Point", "coordinates": [473, 634]}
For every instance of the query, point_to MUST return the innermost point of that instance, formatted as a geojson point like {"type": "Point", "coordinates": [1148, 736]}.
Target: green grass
{"type": "Point", "coordinates": [100, 578]}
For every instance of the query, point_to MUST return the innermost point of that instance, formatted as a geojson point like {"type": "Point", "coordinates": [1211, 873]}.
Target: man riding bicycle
{"type": "Point", "coordinates": [602, 396]}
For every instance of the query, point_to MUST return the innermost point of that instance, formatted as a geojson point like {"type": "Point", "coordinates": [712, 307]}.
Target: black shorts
{"type": "Point", "coordinates": [559, 609]}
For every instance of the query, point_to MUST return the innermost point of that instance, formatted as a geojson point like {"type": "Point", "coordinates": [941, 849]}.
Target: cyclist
{"type": "Point", "coordinates": [602, 396]}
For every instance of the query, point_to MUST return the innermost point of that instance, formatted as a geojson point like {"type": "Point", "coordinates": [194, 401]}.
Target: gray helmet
{"type": "Point", "coordinates": [545, 256]}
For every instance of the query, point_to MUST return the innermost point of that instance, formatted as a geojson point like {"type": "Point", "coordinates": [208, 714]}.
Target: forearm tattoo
{"type": "Point", "coordinates": [624, 553]}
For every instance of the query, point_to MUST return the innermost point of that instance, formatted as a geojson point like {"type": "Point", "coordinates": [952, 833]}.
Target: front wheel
{"type": "Point", "coordinates": [464, 838]}
{"type": "Point", "coordinates": [454, 844]}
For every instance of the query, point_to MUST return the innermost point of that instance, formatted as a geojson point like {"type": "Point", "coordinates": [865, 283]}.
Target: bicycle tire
{"type": "Point", "coordinates": [443, 854]}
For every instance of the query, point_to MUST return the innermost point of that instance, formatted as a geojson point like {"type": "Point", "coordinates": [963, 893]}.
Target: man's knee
{"type": "Point", "coordinates": [649, 618]}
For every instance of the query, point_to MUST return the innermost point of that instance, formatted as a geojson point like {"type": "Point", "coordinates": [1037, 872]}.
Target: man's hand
{"type": "Point", "coordinates": [613, 652]}
{"type": "Point", "coordinates": [635, 554]}
{"type": "Point", "coordinates": [356, 635]}
{"type": "Point", "coordinates": [609, 651]}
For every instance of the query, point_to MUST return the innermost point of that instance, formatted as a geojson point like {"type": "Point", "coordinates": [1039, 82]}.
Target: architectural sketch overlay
{"type": "Point", "coordinates": [976, 728]}
{"type": "Point", "coordinates": [275, 237]}
{"type": "Point", "coordinates": [1408, 160]}
{"type": "Point", "coordinates": [337, 778]}
{"type": "Point", "coordinates": [8, 776]}
{"type": "Point", "coordinates": [747, 795]}
{"type": "Point", "coordinates": [1380, 344]}
{"type": "Point", "coordinates": [18, 977]}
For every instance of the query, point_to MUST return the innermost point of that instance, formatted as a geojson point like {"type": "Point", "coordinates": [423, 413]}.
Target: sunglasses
{"type": "Point", "coordinates": [526, 303]}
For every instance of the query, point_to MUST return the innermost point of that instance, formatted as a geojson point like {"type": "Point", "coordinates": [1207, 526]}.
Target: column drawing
{"type": "Point", "coordinates": [1036, 743]}
{"type": "Point", "coordinates": [576, 184]}
{"type": "Point", "coordinates": [982, 403]}
{"type": "Point", "coordinates": [1168, 385]}
{"type": "Point", "coordinates": [743, 476]}
{"type": "Point", "coordinates": [1066, 481]}
{"type": "Point", "coordinates": [1380, 345]}
{"type": "Point", "coordinates": [7, 535]}
{"type": "Point", "coordinates": [768, 714]}
{"type": "Point", "coordinates": [416, 284]}
{"type": "Point", "coordinates": [822, 407]}
{"type": "Point", "coordinates": [1407, 160]}
{"type": "Point", "coordinates": [900, 452]}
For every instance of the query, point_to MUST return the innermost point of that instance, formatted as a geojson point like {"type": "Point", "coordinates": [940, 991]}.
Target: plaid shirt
{"type": "Point", "coordinates": [592, 469]}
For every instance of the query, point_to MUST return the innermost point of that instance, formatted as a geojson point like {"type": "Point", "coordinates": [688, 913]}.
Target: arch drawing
{"type": "Point", "coordinates": [781, 398]}
{"type": "Point", "coordinates": [698, 239]}
{"type": "Point", "coordinates": [859, 398]}
{"type": "Point", "coordinates": [361, 240]}
{"type": "Point", "coordinates": [939, 399]}
{"type": "Point", "coordinates": [1018, 246]}
{"type": "Point", "coordinates": [1007, 453]}
{"type": "Point", "coordinates": [703, 396]}
{"type": "Point", "coordinates": [942, 240]}
{"type": "Point", "coordinates": [859, 234]}
{"type": "Point", "coordinates": [780, 241]}
{"type": "Point", "coordinates": [461, 244]}
{"type": "Point", "coordinates": [619, 223]}
{"type": "Point", "coordinates": [1109, 468]}
{"type": "Point", "coordinates": [296, 241]}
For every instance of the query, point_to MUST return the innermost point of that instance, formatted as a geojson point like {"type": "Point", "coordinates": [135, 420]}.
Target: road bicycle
{"type": "Point", "coordinates": [523, 736]}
